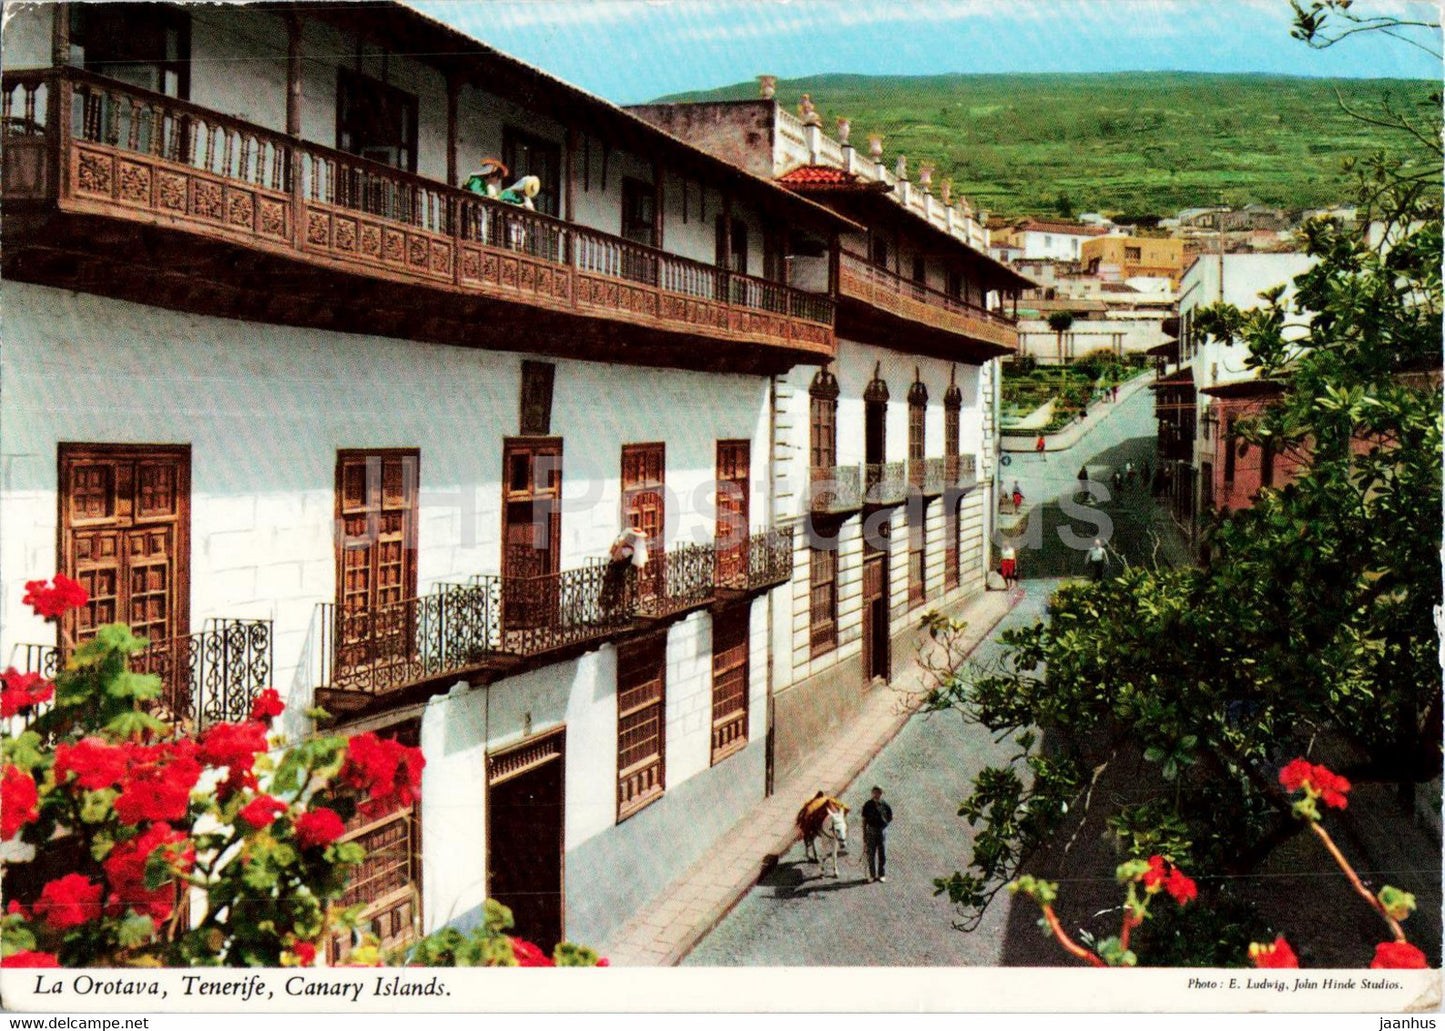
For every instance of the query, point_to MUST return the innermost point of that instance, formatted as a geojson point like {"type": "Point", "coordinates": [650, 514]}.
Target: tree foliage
{"type": "Point", "coordinates": [1311, 621]}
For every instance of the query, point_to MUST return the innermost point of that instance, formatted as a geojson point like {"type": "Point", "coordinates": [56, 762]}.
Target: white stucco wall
{"type": "Point", "coordinates": [25, 37]}
{"type": "Point", "coordinates": [854, 369]}
{"type": "Point", "coordinates": [265, 412]}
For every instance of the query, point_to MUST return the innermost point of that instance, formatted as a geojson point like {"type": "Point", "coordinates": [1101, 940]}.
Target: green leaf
{"type": "Point", "coordinates": [135, 931]}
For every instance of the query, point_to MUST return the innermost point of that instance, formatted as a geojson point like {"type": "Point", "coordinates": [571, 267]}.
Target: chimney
{"type": "Point", "coordinates": [767, 86]}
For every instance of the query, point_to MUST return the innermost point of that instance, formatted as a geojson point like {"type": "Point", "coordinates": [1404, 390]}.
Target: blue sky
{"type": "Point", "coordinates": [634, 50]}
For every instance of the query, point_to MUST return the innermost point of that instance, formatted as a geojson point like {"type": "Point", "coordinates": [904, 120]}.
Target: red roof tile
{"type": "Point", "coordinates": [818, 174]}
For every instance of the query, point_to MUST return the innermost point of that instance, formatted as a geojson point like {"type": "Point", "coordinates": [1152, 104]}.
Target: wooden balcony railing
{"type": "Point", "coordinates": [837, 488]}
{"type": "Point", "coordinates": [861, 280]}
{"type": "Point", "coordinates": [884, 483]}
{"type": "Point", "coordinates": [211, 676]}
{"type": "Point", "coordinates": [100, 146]}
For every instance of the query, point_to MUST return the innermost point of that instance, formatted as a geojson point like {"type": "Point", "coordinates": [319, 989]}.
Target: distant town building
{"type": "Point", "coordinates": [1056, 239]}
{"type": "Point", "coordinates": [1204, 464]}
{"type": "Point", "coordinates": [1134, 256]}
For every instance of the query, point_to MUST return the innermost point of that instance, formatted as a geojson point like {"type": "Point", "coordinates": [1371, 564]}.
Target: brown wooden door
{"type": "Point", "coordinates": [387, 884]}
{"type": "Point", "coordinates": [733, 469]}
{"type": "Point", "coordinates": [125, 536]}
{"type": "Point", "coordinates": [376, 509]}
{"type": "Point", "coordinates": [531, 532]}
{"type": "Point", "coordinates": [526, 836]}
{"type": "Point", "coordinates": [875, 613]}
{"type": "Point", "coordinates": [644, 507]}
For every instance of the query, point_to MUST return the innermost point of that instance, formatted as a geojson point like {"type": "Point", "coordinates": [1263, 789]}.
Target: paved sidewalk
{"type": "Point", "coordinates": [666, 929]}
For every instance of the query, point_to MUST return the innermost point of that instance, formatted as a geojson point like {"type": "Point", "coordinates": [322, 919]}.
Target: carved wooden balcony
{"type": "Point", "coordinates": [210, 676]}
{"type": "Point", "coordinates": [130, 193]}
{"type": "Point", "coordinates": [885, 483]}
{"type": "Point", "coordinates": [875, 303]}
{"type": "Point", "coordinates": [836, 489]}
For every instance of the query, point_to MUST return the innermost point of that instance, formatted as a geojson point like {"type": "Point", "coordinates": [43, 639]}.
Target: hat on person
{"type": "Point", "coordinates": [492, 167]}
{"type": "Point", "coordinates": [877, 789]}
{"type": "Point", "coordinates": [529, 185]}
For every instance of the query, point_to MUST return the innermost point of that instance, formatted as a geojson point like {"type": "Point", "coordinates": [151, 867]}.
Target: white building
{"type": "Point", "coordinates": [277, 391]}
{"type": "Point", "coordinates": [1049, 239]}
{"type": "Point", "coordinates": [885, 458]}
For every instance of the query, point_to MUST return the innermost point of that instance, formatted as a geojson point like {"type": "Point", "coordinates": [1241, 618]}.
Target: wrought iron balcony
{"type": "Point", "coordinates": [767, 561]}
{"type": "Point", "coordinates": [927, 476]}
{"type": "Point", "coordinates": [211, 676]}
{"type": "Point", "coordinates": [862, 281]}
{"type": "Point", "coordinates": [884, 483]}
{"type": "Point", "coordinates": [837, 488]}
{"type": "Point", "coordinates": [675, 581]}
{"type": "Point", "coordinates": [381, 649]}
{"type": "Point", "coordinates": [89, 146]}
{"type": "Point", "coordinates": [461, 629]}
{"type": "Point", "coordinates": [961, 471]}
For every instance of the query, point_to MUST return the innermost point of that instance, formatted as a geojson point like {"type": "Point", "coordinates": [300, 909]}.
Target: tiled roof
{"type": "Point", "coordinates": [1043, 225]}
{"type": "Point", "coordinates": [818, 174]}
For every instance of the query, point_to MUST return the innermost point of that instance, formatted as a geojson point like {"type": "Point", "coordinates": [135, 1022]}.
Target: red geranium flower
{"type": "Point", "coordinates": [262, 810]}
{"type": "Point", "coordinates": [388, 772]}
{"type": "Point", "coordinates": [1318, 780]}
{"type": "Point", "coordinates": [49, 602]}
{"type": "Point", "coordinates": [233, 744]}
{"type": "Point", "coordinates": [71, 900]}
{"type": "Point", "coordinates": [1181, 888]}
{"type": "Point", "coordinates": [1398, 956]}
{"type": "Point", "coordinates": [1277, 956]}
{"type": "Point", "coordinates": [159, 782]}
{"type": "Point", "coordinates": [1296, 774]}
{"type": "Point", "coordinates": [1331, 786]}
{"type": "Point", "coordinates": [267, 704]}
{"type": "Point", "coordinates": [305, 952]}
{"type": "Point", "coordinates": [319, 827]}
{"type": "Point", "coordinates": [1153, 878]}
{"type": "Point", "coordinates": [30, 959]}
{"type": "Point", "coordinates": [529, 955]}
{"type": "Point", "coordinates": [22, 690]}
{"type": "Point", "coordinates": [14, 908]}
{"type": "Point", "coordinates": [96, 764]}
{"type": "Point", "coordinates": [125, 868]}
{"type": "Point", "coordinates": [18, 799]}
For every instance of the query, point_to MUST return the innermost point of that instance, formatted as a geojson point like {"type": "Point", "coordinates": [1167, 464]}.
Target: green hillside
{"type": "Point", "coordinates": [1132, 143]}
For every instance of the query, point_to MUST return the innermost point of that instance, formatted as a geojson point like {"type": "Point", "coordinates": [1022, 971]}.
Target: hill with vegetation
{"type": "Point", "coordinates": [1135, 143]}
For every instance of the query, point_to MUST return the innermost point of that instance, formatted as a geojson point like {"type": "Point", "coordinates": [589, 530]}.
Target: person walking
{"type": "Point", "coordinates": [1039, 448]}
{"type": "Point", "coordinates": [1008, 565]}
{"type": "Point", "coordinates": [1129, 472]}
{"type": "Point", "coordinates": [1098, 558]}
{"type": "Point", "coordinates": [1083, 474]}
{"type": "Point", "coordinates": [1116, 480]}
{"type": "Point", "coordinates": [877, 815]}
{"type": "Point", "coordinates": [1018, 496]}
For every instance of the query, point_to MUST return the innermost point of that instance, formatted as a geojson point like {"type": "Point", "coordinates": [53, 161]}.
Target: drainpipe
{"type": "Point", "coordinates": [770, 739]}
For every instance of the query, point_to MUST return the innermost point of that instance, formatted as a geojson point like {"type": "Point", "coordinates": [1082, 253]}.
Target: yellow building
{"type": "Point", "coordinates": [1135, 256]}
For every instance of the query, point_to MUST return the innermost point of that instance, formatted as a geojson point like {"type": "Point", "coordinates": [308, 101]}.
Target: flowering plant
{"type": "Point", "coordinates": [161, 850]}
{"type": "Point", "coordinates": [1154, 876]}
{"type": "Point", "coordinates": [1316, 784]}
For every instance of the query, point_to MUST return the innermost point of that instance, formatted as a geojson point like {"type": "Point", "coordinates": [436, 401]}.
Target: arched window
{"type": "Point", "coordinates": [952, 406]}
{"type": "Point", "coordinates": [917, 418]}
{"type": "Point", "coordinates": [823, 420]}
